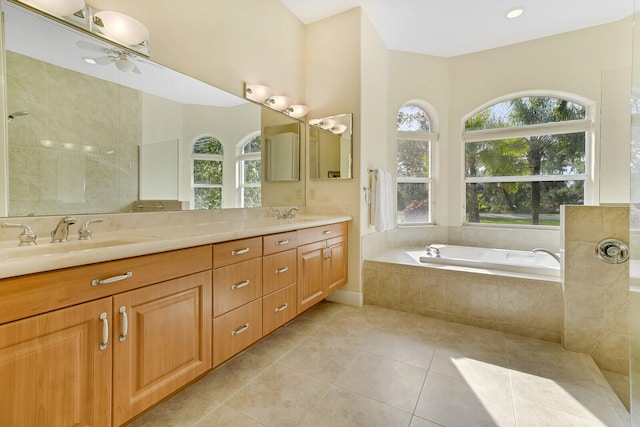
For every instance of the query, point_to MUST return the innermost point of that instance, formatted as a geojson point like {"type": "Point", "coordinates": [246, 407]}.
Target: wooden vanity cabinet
{"type": "Point", "coordinates": [70, 366]}
{"type": "Point", "coordinates": [279, 279]}
{"type": "Point", "coordinates": [322, 263]}
{"type": "Point", "coordinates": [53, 371]}
{"type": "Point", "coordinates": [237, 284]}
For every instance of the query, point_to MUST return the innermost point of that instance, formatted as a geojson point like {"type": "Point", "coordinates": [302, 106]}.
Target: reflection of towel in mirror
{"type": "Point", "coordinates": [381, 205]}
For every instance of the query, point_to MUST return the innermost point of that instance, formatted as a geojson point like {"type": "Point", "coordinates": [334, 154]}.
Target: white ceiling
{"type": "Point", "coordinates": [455, 27]}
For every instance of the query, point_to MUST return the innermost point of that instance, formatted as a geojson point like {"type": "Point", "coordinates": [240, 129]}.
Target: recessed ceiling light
{"type": "Point", "coordinates": [515, 12]}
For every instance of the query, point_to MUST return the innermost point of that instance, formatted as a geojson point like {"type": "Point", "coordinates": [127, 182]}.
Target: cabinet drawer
{"type": "Point", "coordinates": [236, 330]}
{"type": "Point", "coordinates": [278, 271]}
{"type": "Point", "coordinates": [279, 242]}
{"type": "Point", "coordinates": [278, 308]}
{"type": "Point", "coordinates": [236, 284]}
{"type": "Point", "coordinates": [236, 251]}
{"type": "Point", "coordinates": [26, 296]}
{"type": "Point", "coordinates": [315, 234]}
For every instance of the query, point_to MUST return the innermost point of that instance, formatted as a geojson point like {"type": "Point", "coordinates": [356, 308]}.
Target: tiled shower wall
{"type": "Point", "coordinates": [77, 150]}
{"type": "Point", "coordinates": [596, 294]}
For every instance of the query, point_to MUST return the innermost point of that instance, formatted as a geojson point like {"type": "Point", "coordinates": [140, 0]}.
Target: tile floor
{"type": "Point", "coordinates": [338, 365]}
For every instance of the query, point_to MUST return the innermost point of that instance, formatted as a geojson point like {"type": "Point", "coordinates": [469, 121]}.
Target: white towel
{"type": "Point", "coordinates": [381, 205]}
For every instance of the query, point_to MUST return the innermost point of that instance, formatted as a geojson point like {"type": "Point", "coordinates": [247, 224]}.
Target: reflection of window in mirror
{"type": "Point", "coordinates": [249, 171]}
{"type": "Point", "coordinates": [415, 138]}
{"type": "Point", "coordinates": [207, 157]}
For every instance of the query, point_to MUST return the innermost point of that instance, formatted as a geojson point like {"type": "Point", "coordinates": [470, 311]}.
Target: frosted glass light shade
{"type": "Point", "coordinates": [279, 102]}
{"type": "Point", "coordinates": [60, 7]}
{"type": "Point", "coordinates": [124, 65]}
{"type": "Point", "coordinates": [121, 28]}
{"type": "Point", "coordinates": [297, 110]}
{"type": "Point", "coordinates": [339, 128]}
{"type": "Point", "coordinates": [327, 123]}
{"type": "Point", "coordinates": [257, 93]}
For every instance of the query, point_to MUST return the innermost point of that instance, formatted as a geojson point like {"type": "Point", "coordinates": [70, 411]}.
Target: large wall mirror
{"type": "Point", "coordinates": [94, 129]}
{"type": "Point", "coordinates": [331, 147]}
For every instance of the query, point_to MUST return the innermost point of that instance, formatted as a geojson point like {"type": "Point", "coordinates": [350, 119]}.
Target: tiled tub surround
{"type": "Point", "coordinates": [510, 303]}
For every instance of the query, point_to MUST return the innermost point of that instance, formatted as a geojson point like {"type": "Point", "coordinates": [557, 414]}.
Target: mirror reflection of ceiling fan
{"type": "Point", "coordinates": [123, 60]}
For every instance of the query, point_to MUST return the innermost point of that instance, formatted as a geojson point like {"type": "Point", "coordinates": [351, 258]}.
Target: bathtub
{"type": "Point", "coordinates": [527, 262]}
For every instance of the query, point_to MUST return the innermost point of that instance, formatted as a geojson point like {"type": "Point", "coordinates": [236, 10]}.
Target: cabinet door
{"type": "Point", "coordinates": [52, 370]}
{"type": "Point", "coordinates": [166, 344]}
{"type": "Point", "coordinates": [336, 263]}
{"type": "Point", "coordinates": [311, 286]}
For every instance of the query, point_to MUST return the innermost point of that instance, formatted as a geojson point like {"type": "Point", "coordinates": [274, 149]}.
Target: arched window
{"type": "Point", "coordinates": [525, 157]}
{"type": "Point", "coordinates": [415, 138]}
{"type": "Point", "coordinates": [207, 158]}
{"type": "Point", "coordinates": [249, 172]}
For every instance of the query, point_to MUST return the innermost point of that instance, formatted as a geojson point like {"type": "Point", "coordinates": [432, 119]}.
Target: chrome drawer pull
{"type": "Point", "coordinates": [125, 323]}
{"type": "Point", "coordinates": [282, 242]}
{"type": "Point", "coordinates": [96, 282]}
{"type": "Point", "coordinates": [105, 331]}
{"type": "Point", "coordinates": [240, 252]}
{"type": "Point", "coordinates": [241, 285]}
{"type": "Point", "coordinates": [325, 232]}
{"type": "Point", "coordinates": [241, 330]}
{"type": "Point", "coordinates": [284, 307]}
{"type": "Point", "coordinates": [282, 270]}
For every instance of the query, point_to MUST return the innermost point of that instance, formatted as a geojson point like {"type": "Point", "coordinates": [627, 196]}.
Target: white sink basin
{"type": "Point", "coordinates": [47, 249]}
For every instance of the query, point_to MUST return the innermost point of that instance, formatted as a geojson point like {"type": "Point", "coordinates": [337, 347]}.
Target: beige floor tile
{"type": "Point", "coordinates": [328, 356]}
{"type": "Point", "coordinates": [279, 397]}
{"type": "Point", "coordinates": [454, 402]}
{"type": "Point", "coordinates": [412, 349]}
{"type": "Point", "coordinates": [391, 382]}
{"type": "Point", "coordinates": [582, 398]}
{"type": "Point", "coordinates": [182, 410]}
{"type": "Point", "coordinates": [529, 414]}
{"type": "Point", "coordinates": [342, 407]}
{"type": "Point", "coordinates": [473, 338]}
{"type": "Point", "coordinates": [232, 376]}
{"type": "Point", "coordinates": [224, 416]}
{"type": "Point", "coordinates": [421, 422]}
{"type": "Point", "coordinates": [278, 343]}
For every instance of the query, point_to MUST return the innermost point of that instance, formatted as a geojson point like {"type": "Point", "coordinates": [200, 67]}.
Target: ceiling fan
{"type": "Point", "coordinates": [122, 59]}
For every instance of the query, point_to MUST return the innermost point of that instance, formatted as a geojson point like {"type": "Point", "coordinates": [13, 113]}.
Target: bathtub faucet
{"type": "Point", "coordinates": [433, 252]}
{"type": "Point", "coordinates": [545, 251]}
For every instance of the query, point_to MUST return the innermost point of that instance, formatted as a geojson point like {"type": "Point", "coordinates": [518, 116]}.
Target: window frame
{"type": "Point", "coordinates": [418, 136]}
{"type": "Point", "coordinates": [206, 157]}
{"type": "Point", "coordinates": [586, 126]}
{"type": "Point", "coordinates": [240, 159]}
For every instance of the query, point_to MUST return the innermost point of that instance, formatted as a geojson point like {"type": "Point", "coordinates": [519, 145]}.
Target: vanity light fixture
{"type": "Point", "coordinates": [264, 95]}
{"type": "Point", "coordinates": [279, 102]}
{"type": "Point", "coordinates": [297, 111]}
{"type": "Point", "coordinates": [257, 93]}
{"type": "Point", "coordinates": [121, 28]}
{"type": "Point", "coordinates": [515, 12]}
{"type": "Point", "coordinates": [58, 7]}
{"type": "Point", "coordinates": [327, 124]}
{"type": "Point", "coordinates": [338, 129]}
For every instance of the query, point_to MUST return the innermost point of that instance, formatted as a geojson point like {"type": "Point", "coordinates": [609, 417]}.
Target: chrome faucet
{"type": "Point", "coordinates": [61, 231]}
{"type": "Point", "coordinates": [548, 252]}
{"type": "Point", "coordinates": [85, 233]}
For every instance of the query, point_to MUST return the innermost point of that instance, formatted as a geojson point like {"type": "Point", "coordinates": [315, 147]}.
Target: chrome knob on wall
{"type": "Point", "coordinates": [612, 251]}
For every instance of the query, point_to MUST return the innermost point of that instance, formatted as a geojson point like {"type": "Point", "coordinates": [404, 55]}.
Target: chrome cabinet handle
{"type": "Point", "coordinates": [325, 232]}
{"type": "Point", "coordinates": [284, 307]}
{"type": "Point", "coordinates": [240, 252]}
{"type": "Point", "coordinates": [125, 323]}
{"type": "Point", "coordinates": [282, 270]}
{"type": "Point", "coordinates": [282, 242]}
{"type": "Point", "coordinates": [96, 282]}
{"type": "Point", "coordinates": [241, 330]}
{"type": "Point", "coordinates": [241, 285]}
{"type": "Point", "coordinates": [105, 331]}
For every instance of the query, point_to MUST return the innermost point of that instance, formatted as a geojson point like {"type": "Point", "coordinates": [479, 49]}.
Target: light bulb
{"type": "Point", "coordinates": [257, 93]}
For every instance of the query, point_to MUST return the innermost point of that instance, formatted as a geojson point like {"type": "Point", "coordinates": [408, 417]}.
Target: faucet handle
{"type": "Point", "coordinates": [27, 237]}
{"type": "Point", "coordinates": [85, 233]}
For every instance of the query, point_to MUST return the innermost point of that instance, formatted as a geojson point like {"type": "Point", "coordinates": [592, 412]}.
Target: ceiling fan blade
{"type": "Point", "coordinates": [93, 47]}
{"type": "Point", "coordinates": [135, 69]}
{"type": "Point", "coordinates": [104, 60]}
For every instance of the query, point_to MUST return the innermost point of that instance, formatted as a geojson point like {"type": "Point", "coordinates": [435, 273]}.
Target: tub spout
{"type": "Point", "coordinates": [548, 252]}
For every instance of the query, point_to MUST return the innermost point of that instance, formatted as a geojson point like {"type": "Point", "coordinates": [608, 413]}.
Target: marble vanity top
{"type": "Point", "coordinates": [106, 246]}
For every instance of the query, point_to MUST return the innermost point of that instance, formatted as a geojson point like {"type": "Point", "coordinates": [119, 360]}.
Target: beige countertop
{"type": "Point", "coordinates": [19, 260]}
